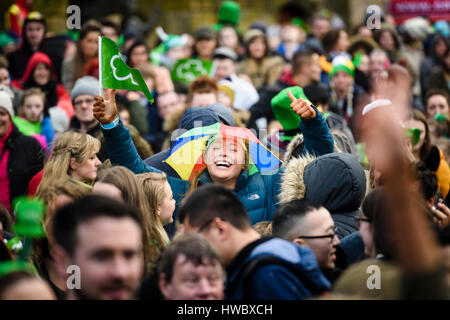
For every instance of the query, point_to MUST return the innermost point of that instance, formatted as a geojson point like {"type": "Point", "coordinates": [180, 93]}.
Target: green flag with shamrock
{"type": "Point", "coordinates": [114, 72]}
{"type": "Point", "coordinates": [187, 70]}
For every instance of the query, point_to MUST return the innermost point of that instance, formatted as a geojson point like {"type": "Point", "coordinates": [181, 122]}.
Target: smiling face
{"type": "Point", "coordinates": [41, 74]}
{"type": "Point", "coordinates": [5, 120]}
{"type": "Point", "coordinates": [33, 107]}
{"type": "Point", "coordinates": [225, 159]}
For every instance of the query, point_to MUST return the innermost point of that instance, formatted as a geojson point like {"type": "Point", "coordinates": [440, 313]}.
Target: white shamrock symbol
{"type": "Point", "coordinates": [114, 69]}
{"type": "Point", "coordinates": [189, 70]}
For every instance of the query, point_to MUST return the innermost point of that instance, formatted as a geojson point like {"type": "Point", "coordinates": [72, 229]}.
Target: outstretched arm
{"type": "Point", "coordinates": [316, 134]}
{"type": "Point", "coordinates": [119, 145]}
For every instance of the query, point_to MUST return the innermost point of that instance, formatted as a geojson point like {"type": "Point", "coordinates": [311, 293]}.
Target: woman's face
{"type": "Point", "coordinates": [138, 56]}
{"type": "Point", "coordinates": [437, 104]}
{"type": "Point", "coordinates": [86, 171]}
{"type": "Point", "coordinates": [257, 48]}
{"type": "Point", "coordinates": [411, 123]}
{"type": "Point", "coordinates": [166, 209]}
{"type": "Point", "coordinates": [89, 44]}
{"type": "Point", "coordinates": [225, 159]}
{"type": "Point", "coordinates": [41, 74]}
{"type": "Point", "coordinates": [387, 41]}
{"type": "Point", "coordinates": [367, 236]}
{"type": "Point", "coordinates": [205, 48]}
{"type": "Point", "coordinates": [343, 42]}
{"type": "Point", "coordinates": [228, 38]}
{"type": "Point", "coordinates": [342, 81]}
{"type": "Point", "coordinates": [35, 32]}
{"type": "Point", "coordinates": [33, 107]}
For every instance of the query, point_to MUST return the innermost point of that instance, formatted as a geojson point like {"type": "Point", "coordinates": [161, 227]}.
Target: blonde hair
{"type": "Point", "coordinates": [69, 145]}
{"type": "Point", "coordinates": [127, 182]}
{"type": "Point", "coordinates": [28, 93]}
{"type": "Point", "coordinates": [65, 187]}
{"type": "Point", "coordinates": [153, 186]}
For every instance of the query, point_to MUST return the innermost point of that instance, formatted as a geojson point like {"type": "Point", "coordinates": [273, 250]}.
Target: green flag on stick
{"type": "Point", "coordinates": [114, 72]}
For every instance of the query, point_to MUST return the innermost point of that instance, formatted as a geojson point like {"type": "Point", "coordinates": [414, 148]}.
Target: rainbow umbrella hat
{"type": "Point", "coordinates": [186, 155]}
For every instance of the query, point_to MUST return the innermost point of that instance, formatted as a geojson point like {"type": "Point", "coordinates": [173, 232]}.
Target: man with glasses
{"type": "Point", "coordinates": [257, 268]}
{"type": "Point", "coordinates": [308, 224]}
{"type": "Point", "coordinates": [83, 93]}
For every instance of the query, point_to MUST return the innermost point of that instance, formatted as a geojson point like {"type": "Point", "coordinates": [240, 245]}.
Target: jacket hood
{"type": "Point", "coordinates": [38, 57]}
{"type": "Point", "coordinates": [336, 180]}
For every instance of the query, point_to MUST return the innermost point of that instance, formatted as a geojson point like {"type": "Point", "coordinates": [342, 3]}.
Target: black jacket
{"type": "Point", "coordinates": [26, 158]}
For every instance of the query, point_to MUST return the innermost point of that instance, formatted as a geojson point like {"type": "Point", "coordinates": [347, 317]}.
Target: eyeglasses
{"type": "Point", "coordinates": [331, 236]}
{"type": "Point", "coordinates": [359, 219]}
{"type": "Point", "coordinates": [87, 101]}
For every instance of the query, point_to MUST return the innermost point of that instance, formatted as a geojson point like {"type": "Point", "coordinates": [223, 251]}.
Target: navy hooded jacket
{"type": "Point", "coordinates": [296, 276]}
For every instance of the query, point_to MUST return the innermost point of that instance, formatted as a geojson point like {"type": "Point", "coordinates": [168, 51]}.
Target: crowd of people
{"type": "Point", "coordinates": [355, 124]}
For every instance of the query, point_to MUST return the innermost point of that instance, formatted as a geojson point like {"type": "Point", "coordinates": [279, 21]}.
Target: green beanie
{"type": "Point", "coordinates": [229, 12]}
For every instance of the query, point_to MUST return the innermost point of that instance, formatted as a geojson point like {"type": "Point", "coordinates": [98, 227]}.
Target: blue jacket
{"type": "Point", "coordinates": [258, 192]}
{"type": "Point", "coordinates": [294, 275]}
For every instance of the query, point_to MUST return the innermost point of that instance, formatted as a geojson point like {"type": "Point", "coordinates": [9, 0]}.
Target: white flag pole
{"type": "Point", "coordinates": [100, 88]}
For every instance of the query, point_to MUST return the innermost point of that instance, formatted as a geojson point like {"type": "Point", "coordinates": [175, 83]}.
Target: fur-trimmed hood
{"type": "Point", "coordinates": [335, 180]}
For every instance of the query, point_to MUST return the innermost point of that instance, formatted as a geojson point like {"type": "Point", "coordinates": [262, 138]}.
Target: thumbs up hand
{"type": "Point", "coordinates": [105, 109]}
{"type": "Point", "coordinates": [302, 107]}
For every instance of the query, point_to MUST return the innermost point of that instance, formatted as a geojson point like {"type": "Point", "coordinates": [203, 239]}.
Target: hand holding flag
{"type": "Point", "coordinates": [114, 72]}
{"type": "Point", "coordinates": [105, 109]}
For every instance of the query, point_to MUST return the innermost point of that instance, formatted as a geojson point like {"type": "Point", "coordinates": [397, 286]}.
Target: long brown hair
{"type": "Point", "coordinates": [126, 181]}
{"type": "Point", "coordinates": [426, 147]}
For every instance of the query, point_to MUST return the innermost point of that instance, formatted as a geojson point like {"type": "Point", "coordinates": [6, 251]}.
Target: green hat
{"type": "Point", "coordinates": [281, 107]}
{"type": "Point", "coordinates": [229, 12]}
{"type": "Point", "coordinates": [342, 63]}
{"type": "Point", "coordinates": [5, 39]}
{"type": "Point", "coordinates": [29, 217]}
{"type": "Point", "coordinates": [413, 134]}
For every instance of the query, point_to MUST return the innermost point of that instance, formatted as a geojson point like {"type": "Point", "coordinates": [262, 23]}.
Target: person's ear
{"type": "Point", "coordinates": [158, 211]}
{"type": "Point", "coordinates": [223, 229]}
{"type": "Point", "coordinates": [73, 164]}
{"type": "Point", "coordinates": [62, 260]}
{"type": "Point", "coordinates": [299, 241]}
{"type": "Point", "coordinates": [164, 286]}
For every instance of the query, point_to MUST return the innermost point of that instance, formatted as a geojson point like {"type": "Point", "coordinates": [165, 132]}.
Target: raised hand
{"type": "Point", "coordinates": [105, 109]}
{"type": "Point", "coordinates": [301, 107]}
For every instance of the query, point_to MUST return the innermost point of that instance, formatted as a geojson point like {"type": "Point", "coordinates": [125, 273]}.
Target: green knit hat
{"type": "Point", "coordinates": [342, 63]}
{"type": "Point", "coordinates": [281, 107]}
{"type": "Point", "coordinates": [229, 12]}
